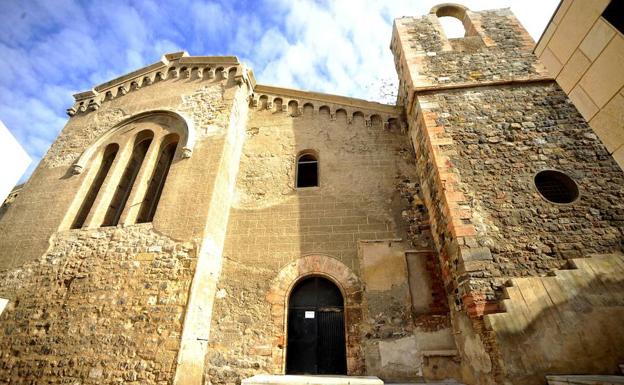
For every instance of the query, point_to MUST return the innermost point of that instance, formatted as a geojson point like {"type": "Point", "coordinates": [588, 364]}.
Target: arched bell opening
{"type": "Point", "coordinates": [316, 342]}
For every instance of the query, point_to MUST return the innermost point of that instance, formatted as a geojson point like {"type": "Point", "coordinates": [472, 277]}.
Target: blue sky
{"type": "Point", "coordinates": [50, 49]}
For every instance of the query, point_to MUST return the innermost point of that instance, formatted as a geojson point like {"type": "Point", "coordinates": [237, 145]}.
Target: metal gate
{"type": "Point", "coordinates": [316, 332]}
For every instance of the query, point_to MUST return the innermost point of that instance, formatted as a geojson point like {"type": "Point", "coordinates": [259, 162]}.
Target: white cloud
{"type": "Point", "coordinates": [210, 19]}
{"type": "Point", "coordinates": [52, 49]}
{"type": "Point", "coordinates": [342, 47]}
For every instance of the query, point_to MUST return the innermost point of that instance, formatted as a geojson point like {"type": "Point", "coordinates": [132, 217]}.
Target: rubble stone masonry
{"type": "Point", "coordinates": [484, 118]}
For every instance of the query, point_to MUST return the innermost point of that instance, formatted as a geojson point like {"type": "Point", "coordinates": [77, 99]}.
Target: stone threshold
{"type": "Point", "coordinates": [268, 379]}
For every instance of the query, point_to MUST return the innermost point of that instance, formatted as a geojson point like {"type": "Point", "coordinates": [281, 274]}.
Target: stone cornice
{"type": "Point", "coordinates": [124, 78]}
{"type": "Point", "coordinates": [171, 65]}
{"type": "Point", "coordinates": [357, 104]}
{"type": "Point", "coordinates": [181, 65]}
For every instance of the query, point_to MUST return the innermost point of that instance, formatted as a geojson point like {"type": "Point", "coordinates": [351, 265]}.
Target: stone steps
{"type": "Point", "coordinates": [267, 379]}
{"type": "Point", "coordinates": [584, 380]}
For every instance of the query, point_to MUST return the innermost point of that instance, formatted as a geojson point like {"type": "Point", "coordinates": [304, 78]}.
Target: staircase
{"type": "Point", "coordinates": [570, 322]}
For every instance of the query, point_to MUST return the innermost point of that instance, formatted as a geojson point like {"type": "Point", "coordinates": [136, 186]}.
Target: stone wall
{"type": "Point", "coordinates": [496, 50]}
{"type": "Point", "coordinates": [102, 306]}
{"type": "Point", "coordinates": [272, 225]}
{"type": "Point", "coordinates": [106, 305]}
{"type": "Point", "coordinates": [484, 118]}
{"type": "Point", "coordinates": [481, 149]}
{"type": "Point", "coordinates": [497, 140]}
{"type": "Point", "coordinates": [49, 196]}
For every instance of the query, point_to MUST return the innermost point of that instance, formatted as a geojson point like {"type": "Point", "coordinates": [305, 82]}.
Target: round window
{"type": "Point", "coordinates": [556, 186]}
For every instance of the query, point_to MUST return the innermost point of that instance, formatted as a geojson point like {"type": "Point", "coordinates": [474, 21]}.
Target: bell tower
{"type": "Point", "coordinates": [494, 136]}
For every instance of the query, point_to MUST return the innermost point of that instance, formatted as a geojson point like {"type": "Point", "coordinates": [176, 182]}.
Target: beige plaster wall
{"type": "Point", "coordinates": [585, 54]}
{"type": "Point", "coordinates": [416, 350]}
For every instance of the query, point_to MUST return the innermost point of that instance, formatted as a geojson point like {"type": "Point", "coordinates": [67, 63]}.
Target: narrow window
{"type": "Point", "coordinates": [141, 145]}
{"type": "Point", "coordinates": [157, 182]}
{"type": "Point", "coordinates": [614, 14]}
{"type": "Point", "coordinates": [107, 160]}
{"type": "Point", "coordinates": [307, 171]}
{"type": "Point", "coordinates": [453, 27]}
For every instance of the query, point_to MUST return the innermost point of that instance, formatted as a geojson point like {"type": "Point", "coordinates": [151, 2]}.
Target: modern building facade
{"type": "Point", "coordinates": [583, 48]}
{"type": "Point", "coordinates": [190, 226]}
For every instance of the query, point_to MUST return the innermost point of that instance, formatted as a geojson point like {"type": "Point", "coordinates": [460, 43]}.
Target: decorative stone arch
{"type": "Point", "coordinates": [187, 138]}
{"type": "Point", "coordinates": [351, 288]}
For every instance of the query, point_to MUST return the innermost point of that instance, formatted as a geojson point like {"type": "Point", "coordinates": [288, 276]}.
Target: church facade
{"type": "Point", "coordinates": [190, 226]}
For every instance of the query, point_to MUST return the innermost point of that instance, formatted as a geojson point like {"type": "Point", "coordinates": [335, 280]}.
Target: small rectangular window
{"type": "Point", "coordinates": [614, 14]}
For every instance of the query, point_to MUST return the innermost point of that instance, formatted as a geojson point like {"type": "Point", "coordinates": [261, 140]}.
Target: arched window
{"type": "Point", "coordinates": [141, 145]}
{"type": "Point", "coordinates": [455, 21]}
{"type": "Point", "coordinates": [453, 27]}
{"type": "Point", "coordinates": [307, 170]}
{"type": "Point", "coordinates": [108, 157]}
{"type": "Point", "coordinates": [277, 103]}
{"type": "Point", "coordinates": [264, 102]}
{"type": "Point", "coordinates": [157, 182]}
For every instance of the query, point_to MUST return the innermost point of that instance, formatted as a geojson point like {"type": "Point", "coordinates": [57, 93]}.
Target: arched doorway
{"type": "Point", "coordinates": [316, 332]}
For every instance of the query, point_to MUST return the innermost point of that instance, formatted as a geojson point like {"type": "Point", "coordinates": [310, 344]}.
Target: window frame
{"type": "Point", "coordinates": [316, 160]}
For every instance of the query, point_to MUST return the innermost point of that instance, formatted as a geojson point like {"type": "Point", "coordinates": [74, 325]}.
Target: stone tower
{"type": "Point", "coordinates": [190, 226]}
{"type": "Point", "coordinates": [516, 185]}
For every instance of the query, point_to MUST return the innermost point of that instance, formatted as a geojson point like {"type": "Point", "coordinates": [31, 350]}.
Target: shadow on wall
{"type": "Point", "coordinates": [570, 323]}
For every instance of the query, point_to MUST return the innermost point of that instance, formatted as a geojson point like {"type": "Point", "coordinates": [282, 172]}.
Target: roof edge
{"type": "Point", "coordinates": [329, 98]}
{"type": "Point", "coordinates": [167, 60]}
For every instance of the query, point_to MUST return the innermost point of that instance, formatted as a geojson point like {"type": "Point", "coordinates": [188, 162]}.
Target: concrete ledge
{"type": "Point", "coordinates": [268, 379]}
